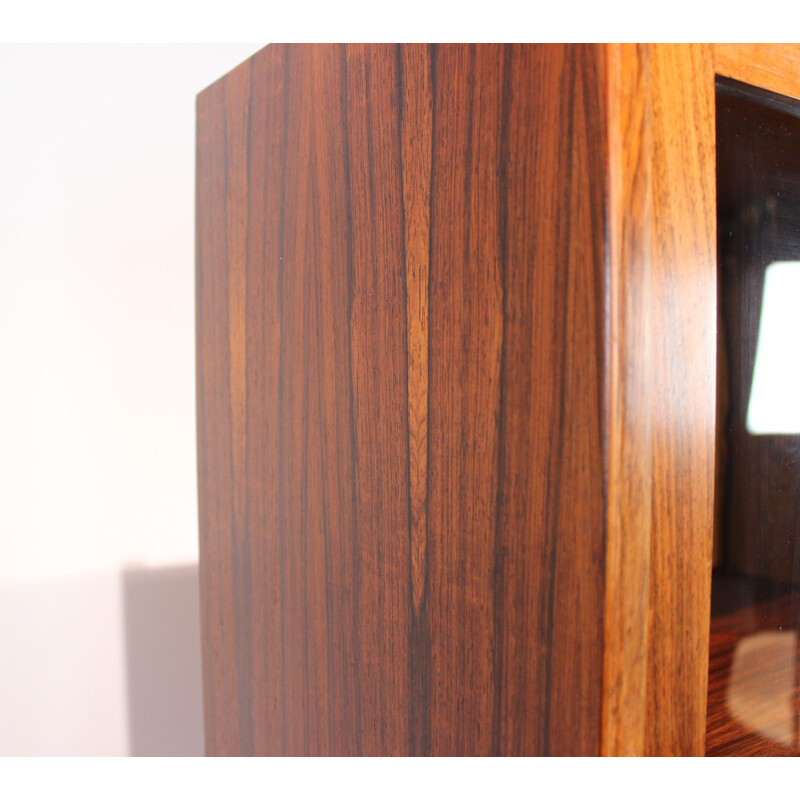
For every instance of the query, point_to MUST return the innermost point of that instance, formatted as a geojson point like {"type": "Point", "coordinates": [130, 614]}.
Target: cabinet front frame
{"type": "Point", "coordinates": [661, 418]}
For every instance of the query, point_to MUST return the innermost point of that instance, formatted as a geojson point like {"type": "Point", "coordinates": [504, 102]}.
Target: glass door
{"type": "Point", "coordinates": [754, 669]}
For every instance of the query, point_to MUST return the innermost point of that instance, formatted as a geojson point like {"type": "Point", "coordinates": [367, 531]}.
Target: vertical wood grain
{"type": "Point", "coordinates": [684, 390]}
{"type": "Point", "coordinates": [416, 120]}
{"type": "Point", "coordinates": [465, 343]}
{"type": "Point", "coordinates": [515, 523]}
{"type": "Point", "coordinates": [661, 397]}
{"type": "Point", "coordinates": [266, 182]}
{"type": "Point", "coordinates": [401, 399]}
{"type": "Point", "coordinates": [437, 481]}
{"type": "Point", "coordinates": [380, 386]}
{"type": "Point", "coordinates": [213, 417]}
{"type": "Point", "coordinates": [416, 76]}
{"type": "Point", "coordinates": [548, 569]}
{"type": "Point", "coordinates": [237, 90]}
{"type": "Point", "coordinates": [629, 451]}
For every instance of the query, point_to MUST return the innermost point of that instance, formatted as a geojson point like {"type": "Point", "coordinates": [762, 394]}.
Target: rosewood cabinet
{"type": "Point", "coordinates": [457, 347]}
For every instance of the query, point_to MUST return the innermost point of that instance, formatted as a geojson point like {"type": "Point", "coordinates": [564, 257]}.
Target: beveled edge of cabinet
{"type": "Point", "coordinates": [660, 394]}
{"type": "Point", "coordinates": [628, 386]}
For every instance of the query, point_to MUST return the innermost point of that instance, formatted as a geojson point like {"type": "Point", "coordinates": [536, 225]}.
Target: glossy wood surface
{"type": "Point", "coordinates": [775, 67]}
{"type": "Point", "coordinates": [629, 384]}
{"type": "Point", "coordinates": [401, 392]}
{"type": "Point", "coordinates": [456, 359]}
{"type": "Point", "coordinates": [683, 408]}
{"type": "Point", "coordinates": [661, 412]}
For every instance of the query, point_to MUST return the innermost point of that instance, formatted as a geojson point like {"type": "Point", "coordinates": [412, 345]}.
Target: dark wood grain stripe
{"type": "Point", "coordinates": [415, 92]}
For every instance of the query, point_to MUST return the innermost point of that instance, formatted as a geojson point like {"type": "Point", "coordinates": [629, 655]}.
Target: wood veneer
{"type": "Point", "coordinates": [661, 401]}
{"type": "Point", "coordinates": [775, 67]}
{"type": "Point", "coordinates": [683, 403]}
{"type": "Point", "coordinates": [400, 400]}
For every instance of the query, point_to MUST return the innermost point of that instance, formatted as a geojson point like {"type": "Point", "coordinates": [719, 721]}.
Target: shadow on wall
{"type": "Point", "coordinates": [162, 649]}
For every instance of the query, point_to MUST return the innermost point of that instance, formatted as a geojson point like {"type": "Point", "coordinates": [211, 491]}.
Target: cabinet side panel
{"type": "Point", "coordinates": [400, 328]}
{"type": "Point", "coordinates": [684, 286]}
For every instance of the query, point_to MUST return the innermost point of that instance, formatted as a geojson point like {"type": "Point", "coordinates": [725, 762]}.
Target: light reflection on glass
{"type": "Point", "coordinates": [762, 685]}
{"type": "Point", "coordinates": [774, 406]}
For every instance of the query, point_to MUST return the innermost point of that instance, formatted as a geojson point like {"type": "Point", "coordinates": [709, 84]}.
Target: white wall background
{"type": "Point", "coordinates": [97, 419]}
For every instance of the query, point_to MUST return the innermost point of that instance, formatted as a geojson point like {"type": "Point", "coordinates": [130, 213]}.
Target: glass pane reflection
{"type": "Point", "coordinates": [774, 405]}
{"type": "Point", "coordinates": [754, 664]}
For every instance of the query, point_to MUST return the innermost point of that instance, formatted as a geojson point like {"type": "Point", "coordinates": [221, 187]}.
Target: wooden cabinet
{"type": "Point", "coordinates": [456, 329]}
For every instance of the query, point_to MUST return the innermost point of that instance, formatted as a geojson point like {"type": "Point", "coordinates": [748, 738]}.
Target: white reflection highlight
{"type": "Point", "coordinates": [774, 405]}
